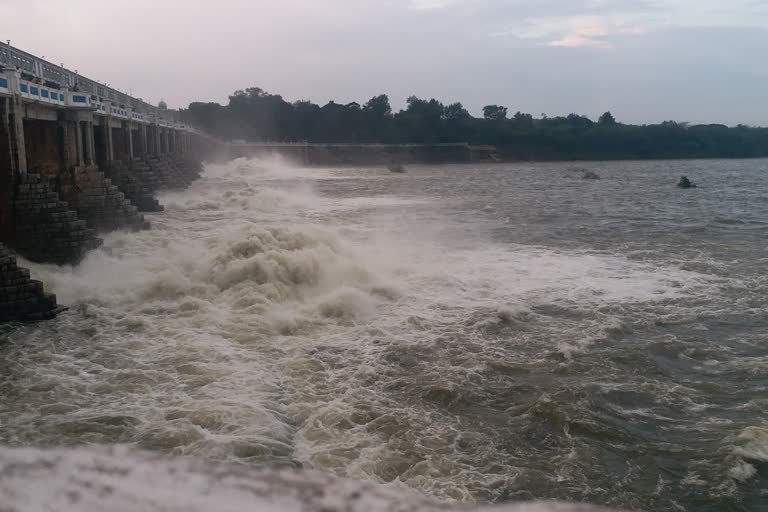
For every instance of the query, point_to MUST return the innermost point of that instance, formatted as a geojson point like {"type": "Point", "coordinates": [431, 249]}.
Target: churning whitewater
{"type": "Point", "coordinates": [475, 334]}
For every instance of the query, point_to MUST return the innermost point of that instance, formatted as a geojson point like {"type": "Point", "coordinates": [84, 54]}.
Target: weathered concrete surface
{"type": "Point", "coordinates": [42, 146]}
{"type": "Point", "coordinates": [99, 202]}
{"type": "Point", "coordinates": [7, 171]}
{"type": "Point", "coordinates": [135, 183]}
{"type": "Point", "coordinates": [118, 479]}
{"type": "Point", "coordinates": [46, 229]}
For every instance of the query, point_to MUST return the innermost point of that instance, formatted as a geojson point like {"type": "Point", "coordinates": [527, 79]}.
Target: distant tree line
{"type": "Point", "coordinates": [255, 115]}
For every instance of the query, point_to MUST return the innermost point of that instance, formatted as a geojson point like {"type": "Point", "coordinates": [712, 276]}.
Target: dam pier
{"type": "Point", "coordinates": [77, 158]}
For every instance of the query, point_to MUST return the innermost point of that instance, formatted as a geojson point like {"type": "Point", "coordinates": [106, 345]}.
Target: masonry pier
{"type": "Point", "coordinates": [77, 158]}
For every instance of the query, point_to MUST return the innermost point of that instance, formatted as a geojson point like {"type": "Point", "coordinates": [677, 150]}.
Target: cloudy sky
{"type": "Point", "coordinates": [645, 60]}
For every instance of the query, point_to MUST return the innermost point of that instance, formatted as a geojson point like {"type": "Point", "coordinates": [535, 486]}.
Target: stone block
{"type": "Point", "coordinates": [21, 298]}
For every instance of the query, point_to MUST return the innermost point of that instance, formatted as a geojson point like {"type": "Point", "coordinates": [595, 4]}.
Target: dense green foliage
{"type": "Point", "coordinates": [256, 115]}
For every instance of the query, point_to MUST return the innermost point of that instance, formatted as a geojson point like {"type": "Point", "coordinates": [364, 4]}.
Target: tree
{"type": "Point", "coordinates": [606, 119]}
{"type": "Point", "coordinates": [522, 121]}
{"type": "Point", "coordinates": [377, 118]}
{"type": "Point", "coordinates": [579, 122]}
{"type": "Point", "coordinates": [456, 112]}
{"type": "Point", "coordinates": [305, 117]}
{"type": "Point", "coordinates": [495, 112]}
{"type": "Point", "coordinates": [421, 120]}
{"type": "Point", "coordinates": [255, 114]}
{"type": "Point", "coordinates": [378, 107]}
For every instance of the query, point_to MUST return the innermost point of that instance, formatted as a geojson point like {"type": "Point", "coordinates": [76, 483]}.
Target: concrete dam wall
{"type": "Point", "coordinates": [78, 159]}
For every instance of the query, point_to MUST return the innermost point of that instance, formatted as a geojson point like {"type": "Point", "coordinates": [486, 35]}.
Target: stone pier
{"type": "Point", "coordinates": [22, 298]}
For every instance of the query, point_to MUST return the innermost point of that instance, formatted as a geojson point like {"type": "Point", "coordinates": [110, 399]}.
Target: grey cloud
{"type": "Point", "coordinates": [351, 50]}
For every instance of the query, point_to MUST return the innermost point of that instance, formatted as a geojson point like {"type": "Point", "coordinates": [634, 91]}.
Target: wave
{"type": "Point", "coordinates": [264, 321]}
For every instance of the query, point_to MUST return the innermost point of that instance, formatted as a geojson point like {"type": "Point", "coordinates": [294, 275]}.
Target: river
{"type": "Point", "coordinates": [477, 333]}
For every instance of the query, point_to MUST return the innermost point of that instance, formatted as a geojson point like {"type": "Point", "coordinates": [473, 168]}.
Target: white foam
{"type": "Point", "coordinates": [123, 480]}
{"type": "Point", "coordinates": [259, 319]}
{"type": "Point", "coordinates": [752, 443]}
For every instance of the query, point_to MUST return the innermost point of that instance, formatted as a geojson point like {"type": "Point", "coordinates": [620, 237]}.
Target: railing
{"type": "Point", "coordinates": [47, 71]}
{"type": "Point", "coordinates": [37, 92]}
{"type": "Point", "coordinates": [46, 82]}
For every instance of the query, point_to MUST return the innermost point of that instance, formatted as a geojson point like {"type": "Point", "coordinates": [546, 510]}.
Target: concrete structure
{"type": "Point", "coordinates": [77, 157]}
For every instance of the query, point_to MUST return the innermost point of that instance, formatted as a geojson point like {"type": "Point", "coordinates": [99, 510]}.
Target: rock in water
{"type": "Point", "coordinates": [586, 174]}
{"type": "Point", "coordinates": [590, 175]}
{"type": "Point", "coordinates": [396, 168]}
{"type": "Point", "coordinates": [685, 182]}
{"type": "Point", "coordinates": [121, 479]}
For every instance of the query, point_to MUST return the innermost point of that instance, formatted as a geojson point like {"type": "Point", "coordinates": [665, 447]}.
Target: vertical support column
{"type": "Point", "coordinates": [7, 161]}
{"type": "Point", "coordinates": [108, 139]}
{"type": "Point", "coordinates": [7, 171]}
{"type": "Point", "coordinates": [14, 117]}
{"type": "Point", "coordinates": [91, 142]}
{"type": "Point", "coordinates": [130, 141]}
{"type": "Point", "coordinates": [145, 145]}
{"type": "Point", "coordinates": [85, 130]}
{"type": "Point", "coordinates": [16, 130]}
{"type": "Point", "coordinates": [67, 156]}
{"type": "Point", "coordinates": [79, 143]}
{"type": "Point", "coordinates": [157, 139]}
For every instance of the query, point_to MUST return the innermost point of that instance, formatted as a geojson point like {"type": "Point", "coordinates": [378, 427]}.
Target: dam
{"type": "Point", "coordinates": [77, 158]}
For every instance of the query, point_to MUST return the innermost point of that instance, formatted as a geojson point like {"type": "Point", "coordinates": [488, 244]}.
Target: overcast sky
{"type": "Point", "coordinates": [645, 60]}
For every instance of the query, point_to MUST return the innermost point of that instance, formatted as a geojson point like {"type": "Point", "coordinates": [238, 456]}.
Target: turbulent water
{"type": "Point", "coordinates": [481, 334]}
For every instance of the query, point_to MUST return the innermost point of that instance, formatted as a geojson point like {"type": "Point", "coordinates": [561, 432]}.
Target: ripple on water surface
{"type": "Point", "coordinates": [455, 330]}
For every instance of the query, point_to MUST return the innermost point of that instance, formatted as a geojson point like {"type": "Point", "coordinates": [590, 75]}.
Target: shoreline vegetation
{"type": "Point", "coordinates": [255, 115]}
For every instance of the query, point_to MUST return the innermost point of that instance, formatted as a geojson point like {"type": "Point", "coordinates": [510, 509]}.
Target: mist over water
{"type": "Point", "coordinates": [478, 334]}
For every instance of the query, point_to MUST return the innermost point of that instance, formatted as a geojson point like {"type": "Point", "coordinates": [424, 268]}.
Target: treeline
{"type": "Point", "coordinates": [255, 115]}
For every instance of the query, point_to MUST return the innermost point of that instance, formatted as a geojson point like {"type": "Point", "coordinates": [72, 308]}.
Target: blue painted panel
{"type": "Point", "coordinates": [34, 91]}
{"type": "Point", "coordinates": [43, 93]}
{"type": "Point", "coordinates": [3, 83]}
{"type": "Point", "coordinates": [54, 96]}
{"type": "Point", "coordinates": [78, 99]}
{"type": "Point", "coordinates": [23, 87]}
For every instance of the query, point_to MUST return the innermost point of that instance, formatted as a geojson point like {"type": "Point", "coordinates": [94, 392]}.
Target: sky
{"type": "Point", "coordinates": [697, 61]}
